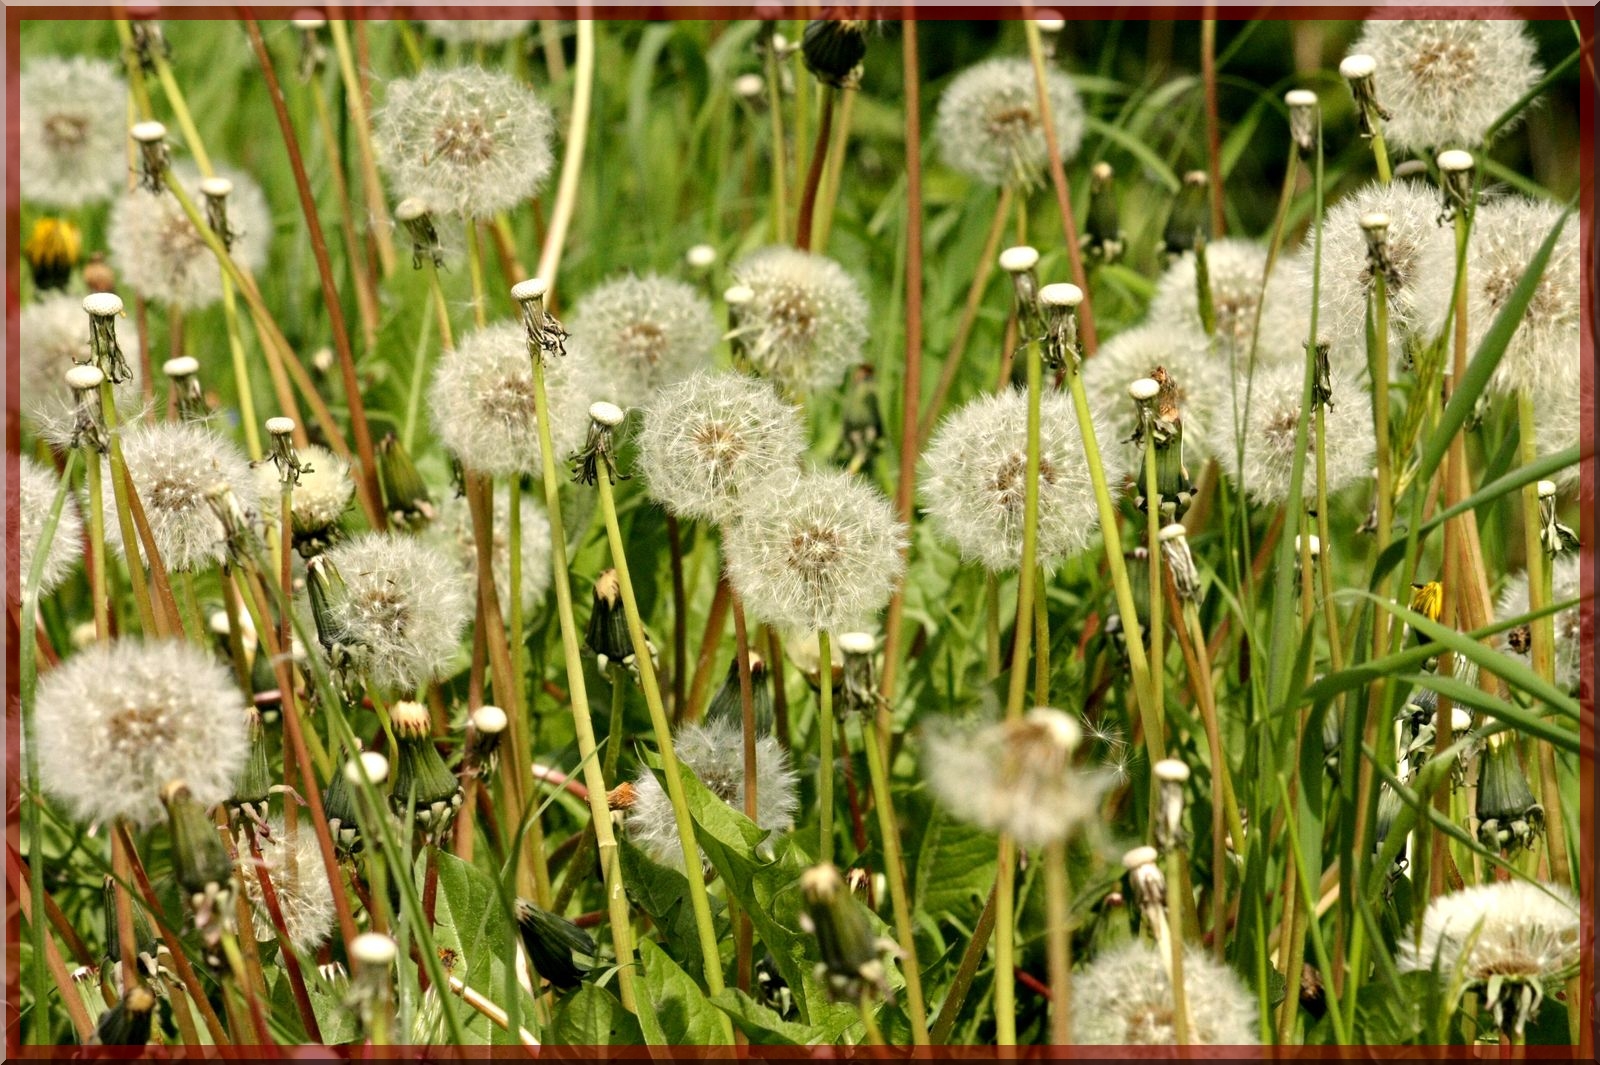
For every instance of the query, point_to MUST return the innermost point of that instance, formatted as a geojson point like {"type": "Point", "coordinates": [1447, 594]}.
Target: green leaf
{"type": "Point", "coordinates": [663, 894]}
{"type": "Point", "coordinates": [468, 917]}
{"type": "Point", "coordinates": [954, 870]}
{"type": "Point", "coordinates": [1509, 714]}
{"type": "Point", "coordinates": [681, 1015]}
{"type": "Point", "coordinates": [592, 1016]}
{"type": "Point", "coordinates": [762, 1026]}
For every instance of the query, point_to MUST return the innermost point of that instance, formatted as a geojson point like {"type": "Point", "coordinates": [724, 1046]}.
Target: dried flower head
{"type": "Point", "coordinates": [1444, 82]}
{"type": "Point", "coordinates": [321, 495]}
{"type": "Point", "coordinates": [119, 720]}
{"type": "Point", "coordinates": [814, 551]}
{"type": "Point", "coordinates": [37, 494]}
{"type": "Point", "coordinates": [468, 140]}
{"type": "Point", "coordinates": [299, 880]}
{"type": "Point", "coordinates": [160, 255]}
{"type": "Point", "coordinates": [713, 750]}
{"type": "Point", "coordinates": [401, 611]}
{"type": "Point", "coordinates": [451, 533]}
{"type": "Point", "coordinates": [989, 126]}
{"type": "Point", "coordinates": [1269, 435]}
{"type": "Point", "coordinates": [710, 438]}
{"type": "Point", "coordinates": [54, 337]}
{"type": "Point", "coordinates": [1194, 379]}
{"type": "Point", "coordinates": [1016, 777]}
{"type": "Point", "coordinates": [645, 332]}
{"type": "Point", "coordinates": [1124, 997]}
{"type": "Point", "coordinates": [483, 406]}
{"type": "Point", "coordinates": [70, 130]}
{"type": "Point", "coordinates": [1507, 940]}
{"type": "Point", "coordinates": [172, 466]}
{"type": "Point", "coordinates": [976, 481]}
{"type": "Point", "coordinates": [1565, 585]}
{"type": "Point", "coordinates": [476, 30]}
{"type": "Point", "coordinates": [805, 320]}
{"type": "Point", "coordinates": [1235, 268]}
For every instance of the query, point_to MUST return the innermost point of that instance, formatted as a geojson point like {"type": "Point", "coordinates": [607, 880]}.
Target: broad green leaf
{"type": "Point", "coordinates": [762, 1025]}
{"type": "Point", "coordinates": [955, 870]}
{"type": "Point", "coordinates": [592, 1016]}
{"type": "Point", "coordinates": [681, 1015]}
{"type": "Point", "coordinates": [663, 894]}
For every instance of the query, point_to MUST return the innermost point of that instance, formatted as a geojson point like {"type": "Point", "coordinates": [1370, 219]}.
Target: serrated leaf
{"type": "Point", "coordinates": [663, 894]}
{"type": "Point", "coordinates": [954, 870]}
{"type": "Point", "coordinates": [592, 1016]}
{"type": "Point", "coordinates": [762, 1026]}
{"type": "Point", "coordinates": [680, 1013]}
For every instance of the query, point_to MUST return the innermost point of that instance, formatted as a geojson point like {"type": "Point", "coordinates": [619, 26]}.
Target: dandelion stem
{"type": "Point", "coordinates": [743, 929]}
{"type": "Point", "coordinates": [122, 492]}
{"type": "Point", "coordinates": [1041, 654]}
{"type": "Point", "coordinates": [971, 957]}
{"type": "Point", "coordinates": [1005, 987]}
{"type": "Point", "coordinates": [894, 870]}
{"type": "Point", "coordinates": [680, 616]}
{"type": "Point", "coordinates": [819, 156]}
{"type": "Point", "coordinates": [827, 751]}
{"type": "Point", "coordinates": [1152, 508]}
{"type": "Point", "coordinates": [1027, 570]}
{"type": "Point", "coordinates": [97, 551]}
{"type": "Point", "coordinates": [572, 163]}
{"type": "Point", "coordinates": [241, 369]}
{"type": "Point", "coordinates": [355, 257]}
{"type": "Point", "coordinates": [1182, 1021]}
{"type": "Point", "coordinates": [355, 95]}
{"type": "Point", "coordinates": [1058, 942]}
{"type": "Point", "coordinates": [53, 963]}
{"type": "Point", "coordinates": [1208, 76]}
{"type": "Point", "coordinates": [833, 176]}
{"type": "Point", "coordinates": [991, 626]}
{"type": "Point", "coordinates": [780, 157]}
{"type": "Point", "coordinates": [480, 302]}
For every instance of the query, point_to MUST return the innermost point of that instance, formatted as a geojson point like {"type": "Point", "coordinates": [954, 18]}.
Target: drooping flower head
{"type": "Point", "coordinates": [814, 551]}
{"type": "Point", "coordinates": [119, 720]}
{"type": "Point", "coordinates": [645, 332]}
{"type": "Point", "coordinates": [1444, 82]}
{"type": "Point", "coordinates": [173, 465]}
{"type": "Point", "coordinates": [708, 439]}
{"type": "Point", "coordinates": [320, 499]}
{"type": "Point", "coordinates": [1269, 435]}
{"type": "Point", "coordinates": [989, 126]}
{"type": "Point", "coordinates": [482, 400]}
{"type": "Point", "coordinates": [70, 131]}
{"type": "Point", "coordinates": [1235, 268]}
{"type": "Point", "coordinates": [1565, 584]}
{"type": "Point", "coordinates": [1196, 379]}
{"type": "Point", "coordinates": [298, 879]}
{"type": "Point", "coordinates": [1015, 777]}
{"type": "Point", "coordinates": [475, 30]}
{"type": "Point", "coordinates": [1509, 940]}
{"type": "Point", "coordinates": [162, 257]}
{"type": "Point", "coordinates": [713, 750]}
{"type": "Point", "coordinates": [976, 481]}
{"type": "Point", "coordinates": [805, 320]}
{"type": "Point", "coordinates": [38, 493]}
{"type": "Point", "coordinates": [468, 141]}
{"type": "Point", "coordinates": [451, 532]}
{"type": "Point", "coordinates": [401, 609]}
{"type": "Point", "coordinates": [1124, 998]}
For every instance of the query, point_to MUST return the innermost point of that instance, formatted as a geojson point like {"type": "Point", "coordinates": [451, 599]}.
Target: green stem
{"type": "Point", "coordinates": [825, 746]}
{"type": "Point", "coordinates": [1022, 633]}
{"type": "Point", "coordinates": [572, 162]}
{"type": "Point", "coordinates": [119, 492]}
{"type": "Point", "coordinates": [1005, 921]}
{"type": "Point", "coordinates": [894, 869]}
{"type": "Point", "coordinates": [1041, 654]}
{"type": "Point", "coordinates": [193, 627]}
{"type": "Point", "coordinates": [991, 625]}
{"type": "Point", "coordinates": [355, 99]}
{"type": "Point", "coordinates": [1182, 1022]}
{"type": "Point", "coordinates": [180, 111]}
{"type": "Point", "coordinates": [241, 369]}
{"type": "Point", "coordinates": [780, 179]}
{"type": "Point", "coordinates": [1152, 507]}
{"type": "Point", "coordinates": [1058, 942]}
{"type": "Point", "coordinates": [97, 552]}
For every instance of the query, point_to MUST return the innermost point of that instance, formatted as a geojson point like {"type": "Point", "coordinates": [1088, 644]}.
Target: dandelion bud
{"type": "Point", "coordinates": [852, 957]}
{"type": "Point", "coordinates": [1103, 228]}
{"type": "Point", "coordinates": [423, 784]}
{"type": "Point", "coordinates": [1358, 70]}
{"type": "Point", "coordinates": [1145, 883]}
{"type": "Point", "coordinates": [326, 590]}
{"type": "Point", "coordinates": [1455, 174]}
{"type": "Point", "coordinates": [88, 425]}
{"type": "Point", "coordinates": [200, 863]}
{"type": "Point", "coordinates": [253, 791]}
{"type": "Point", "coordinates": [128, 1023]}
{"type": "Point", "coordinates": [1180, 562]}
{"type": "Point", "coordinates": [860, 690]}
{"type": "Point", "coordinates": [1510, 819]}
{"type": "Point", "coordinates": [52, 252]}
{"type": "Point", "coordinates": [727, 705]}
{"type": "Point", "coordinates": [485, 727]}
{"type": "Point", "coordinates": [104, 308]}
{"type": "Point", "coordinates": [413, 214]}
{"type": "Point", "coordinates": [700, 257]}
{"type": "Point", "coordinates": [1171, 775]}
{"type": "Point", "coordinates": [312, 53]}
{"type": "Point", "coordinates": [154, 157]}
{"type": "Point", "coordinates": [1189, 225]}
{"type": "Point", "coordinates": [1058, 304]}
{"type": "Point", "coordinates": [405, 496]}
{"type": "Point", "coordinates": [184, 373]}
{"type": "Point", "coordinates": [607, 635]}
{"type": "Point", "coordinates": [1303, 120]}
{"type": "Point", "coordinates": [833, 49]}
{"type": "Point", "coordinates": [558, 950]}
{"type": "Point", "coordinates": [339, 803]}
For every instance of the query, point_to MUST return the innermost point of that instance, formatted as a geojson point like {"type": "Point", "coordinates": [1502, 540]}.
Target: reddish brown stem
{"type": "Point", "coordinates": [1069, 224]}
{"type": "Point", "coordinates": [680, 619]}
{"type": "Point", "coordinates": [708, 649]}
{"type": "Point", "coordinates": [291, 964]}
{"type": "Point", "coordinates": [1208, 75]}
{"type": "Point", "coordinates": [819, 155]}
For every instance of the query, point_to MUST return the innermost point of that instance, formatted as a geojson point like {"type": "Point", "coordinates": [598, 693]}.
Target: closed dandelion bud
{"type": "Point", "coordinates": [1103, 227]}
{"type": "Point", "coordinates": [559, 951]}
{"type": "Point", "coordinates": [405, 496]}
{"type": "Point", "coordinates": [1510, 819]}
{"type": "Point", "coordinates": [52, 252]}
{"type": "Point", "coordinates": [727, 705]}
{"type": "Point", "coordinates": [852, 957]}
{"type": "Point", "coordinates": [1190, 221]}
{"type": "Point", "coordinates": [200, 863]}
{"type": "Point", "coordinates": [103, 309]}
{"type": "Point", "coordinates": [1304, 120]}
{"type": "Point", "coordinates": [65, 550]}
{"type": "Point", "coordinates": [1171, 776]}
{"type": "Point", "coordinates": [423, 784]}
{"type": "Point", "coordinates": [1180, 562]}
{"type": "Point", "coordinates": [989, 126]}
{"type": "Point", "coordinates": [607, 635]}
{"type": "Point", "coordinates": [805, 321]}
{"type": "Point", "coordinates": [833, 48]}
{"type": "Point", "coordinates": [154, 158]}
{"type": "Point", "coordinates": [1124, 997]}
{"type": "Point", "coordinates": [184, 373]}
{"type": "Point", "coordinates": [859, 693]}
{"type": "Point", "coordinates": [485, 728]}
{"type": "Point", "coordinates": [128, 1023]}
{"type": "Point", "coordinates": [253, 792]}
{"type": "Point", "coordinates": [145, 941]}
{"type": "Point", "coordinates": [412, 213]}
{"type": "Point", "coordinates": [341, 805]}
{"type": "Point", "coordinates": [326, 591]}
{"type": "Point", "coordinates": [70, 131]}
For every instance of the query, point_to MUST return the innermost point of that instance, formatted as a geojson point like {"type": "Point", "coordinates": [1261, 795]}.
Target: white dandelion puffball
{"type": "Point", "coordinates": [466, 141]}
{"type": "Point", "coordinates": [989, 127]}
{"type": "Point", "coordinates": [1199, 381]}
{"type": "Point", "coordinates": [70, 131]}
{"type": "Point", "coordinates": [403, 609]}
{"type": "Point", "coordinates": [37, 486]}
{"type": "Point", "coordinates": [119, 720]}
{"type": "Point", "coordinates": [976, 480]}
{"type": "Point", "coordinates": [321, 496]}
{"type": "Point", "coordinates": [482, 400]}
{"type": "Point", "coordinates": [1506, 233]}
{"type": "Point", "coordinates": [163, 258]}
{"type": "Point", "coordinates": [1123, 998]}
{"type": "Point", "coordinates": [814, 551]}
{"type": "Point", "coordinates": [1416, 244]}
{"type": "Point", "coordinates": [714, 752]}
{"type": "Point", "coordinates": [707, 439]}
{"type": "Point", "coordinates": [1236, 267]}
{"type": "Point", "coordinates": [806, 320]}
{"type": "Point", "coordinates": [1015, 777]}
{"type": "Point", "coordinates": [645, 332]}
{"type": "Point", "coordinates": [298, 879]}
{"type": "Point", "coordinates": [173, 465]}
{"type": "Point", "coordinates": [1498, 935]}
{"type": "Point", "coordinates": [1269, 435]}
{"type": "Point", "coordinates": [451, 532]}
{"type": "Point", "coordinates": [1560, 412]}
{"type": "Point", "coordinates": [1444, 82]}
{"type": "Point", "coordinates": [53, 337]}
{"type": "Point", "coordinates": [1565, 585]}
{"type": "Point", "coordinates": [476, 30]}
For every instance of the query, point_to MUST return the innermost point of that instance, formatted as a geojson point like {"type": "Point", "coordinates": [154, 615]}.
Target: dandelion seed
{"type": "Point", "coordinates": [1124, 997]}
{"type": "Point", "coordinates": [1196, 385]}
{"type": "Point", "coordinates": [815, 551]}
{"type": "Point", "coordinates": [70, 129]}
{"type": "Point", "coordinates": [451, 533]}
{"type": "Point", "coordinates": [476, 30]}
{"type": "Point", "coordinates": [468, 141]}
{"type": "Point", "coordinates": [989, 126]}
{"type": "Point", "coordinates": [805, 321]}
{"type": "Point", "coordinates": [54, 337]}
{"type": "Point", "coordinates": [161, 255]}
{"type": "Point", "coordinates": [1565, 585]}
{"type": "Point", "coordinates": [37, 494]}
{"type": "Point", "coordinates": [645, 332]}
{"type": "Point", "coordinates": [1446, 81]}
{"type": "Point", "coordinates": [1269, 436]}
{"type": "Point", "coordinates": [976, 478]}
{"type": "Point", "coordinates": [299, 880]}
{"type": "Point", "coordinates": [120, 719]}
{"type": "Point", "coordinates": [1236, 268]}
{"type": "Point", "coordinates": [707, 440]}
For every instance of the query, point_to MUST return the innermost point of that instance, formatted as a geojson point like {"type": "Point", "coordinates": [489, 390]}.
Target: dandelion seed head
{"type": "Point", "coordinates": [476, 30]}
{"type": "Point", "coordinates": [1235, 268]}
{"type": "Point", "coordinates": [1269, 436]}
{"type": "Point", "coordinates": [451, 532]}
{"type": "Point", "coordinates": [646, 332]}
{"type": "Point", "coordinates": [300, 882]}
{"type": "Point", "coordinates": [1446, 81]}
{"type": "Point", "coordinates": [989, 127]}
{"type": "Point", "coordinates": [467, 141]}
{"type": "Point", "coordinates": [321, 496]}
{"type": "Point", "coordinates": [53, 337]}
{"type": "Point", "coordinates": [1565, 584]}
{"type": "Point", "coordinates": [814, 551]}
{"type": "Point", "coordinates": [70, 128]}
{"type": "Point", "coordinates": [805, 321]}
{"type": "Point", "coordinates": [707, 439]}
{"type": "Point", "coordinates": [1197, 376]}
{"type": "Point", "coordinates": [118, 720]}
{"type": "Point", "coordinates": [404, 609]}
{"type": "Point", "coordinates": [37, 486]}
{"type": "Point", "coordinates": [1124, 998]}
{"type": "Point", "coordinates": [1561, 411]}
{"type": "Point", "coordinates": [976, 481]}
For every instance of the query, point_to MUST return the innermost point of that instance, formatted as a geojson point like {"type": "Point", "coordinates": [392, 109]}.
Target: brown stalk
{"type": "Point", "coordinates": [744, 931]}
{"type": "Point", "coordinates": [291, 964]}
{"type": "Point", "coordinates": [1208, 75]}
{"type": "Point", "coordinates": [690, 710]}
{"type": "Point", "coordinates": [19, 887]}
{"type": "Point", "coordinates": [819, 155]}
